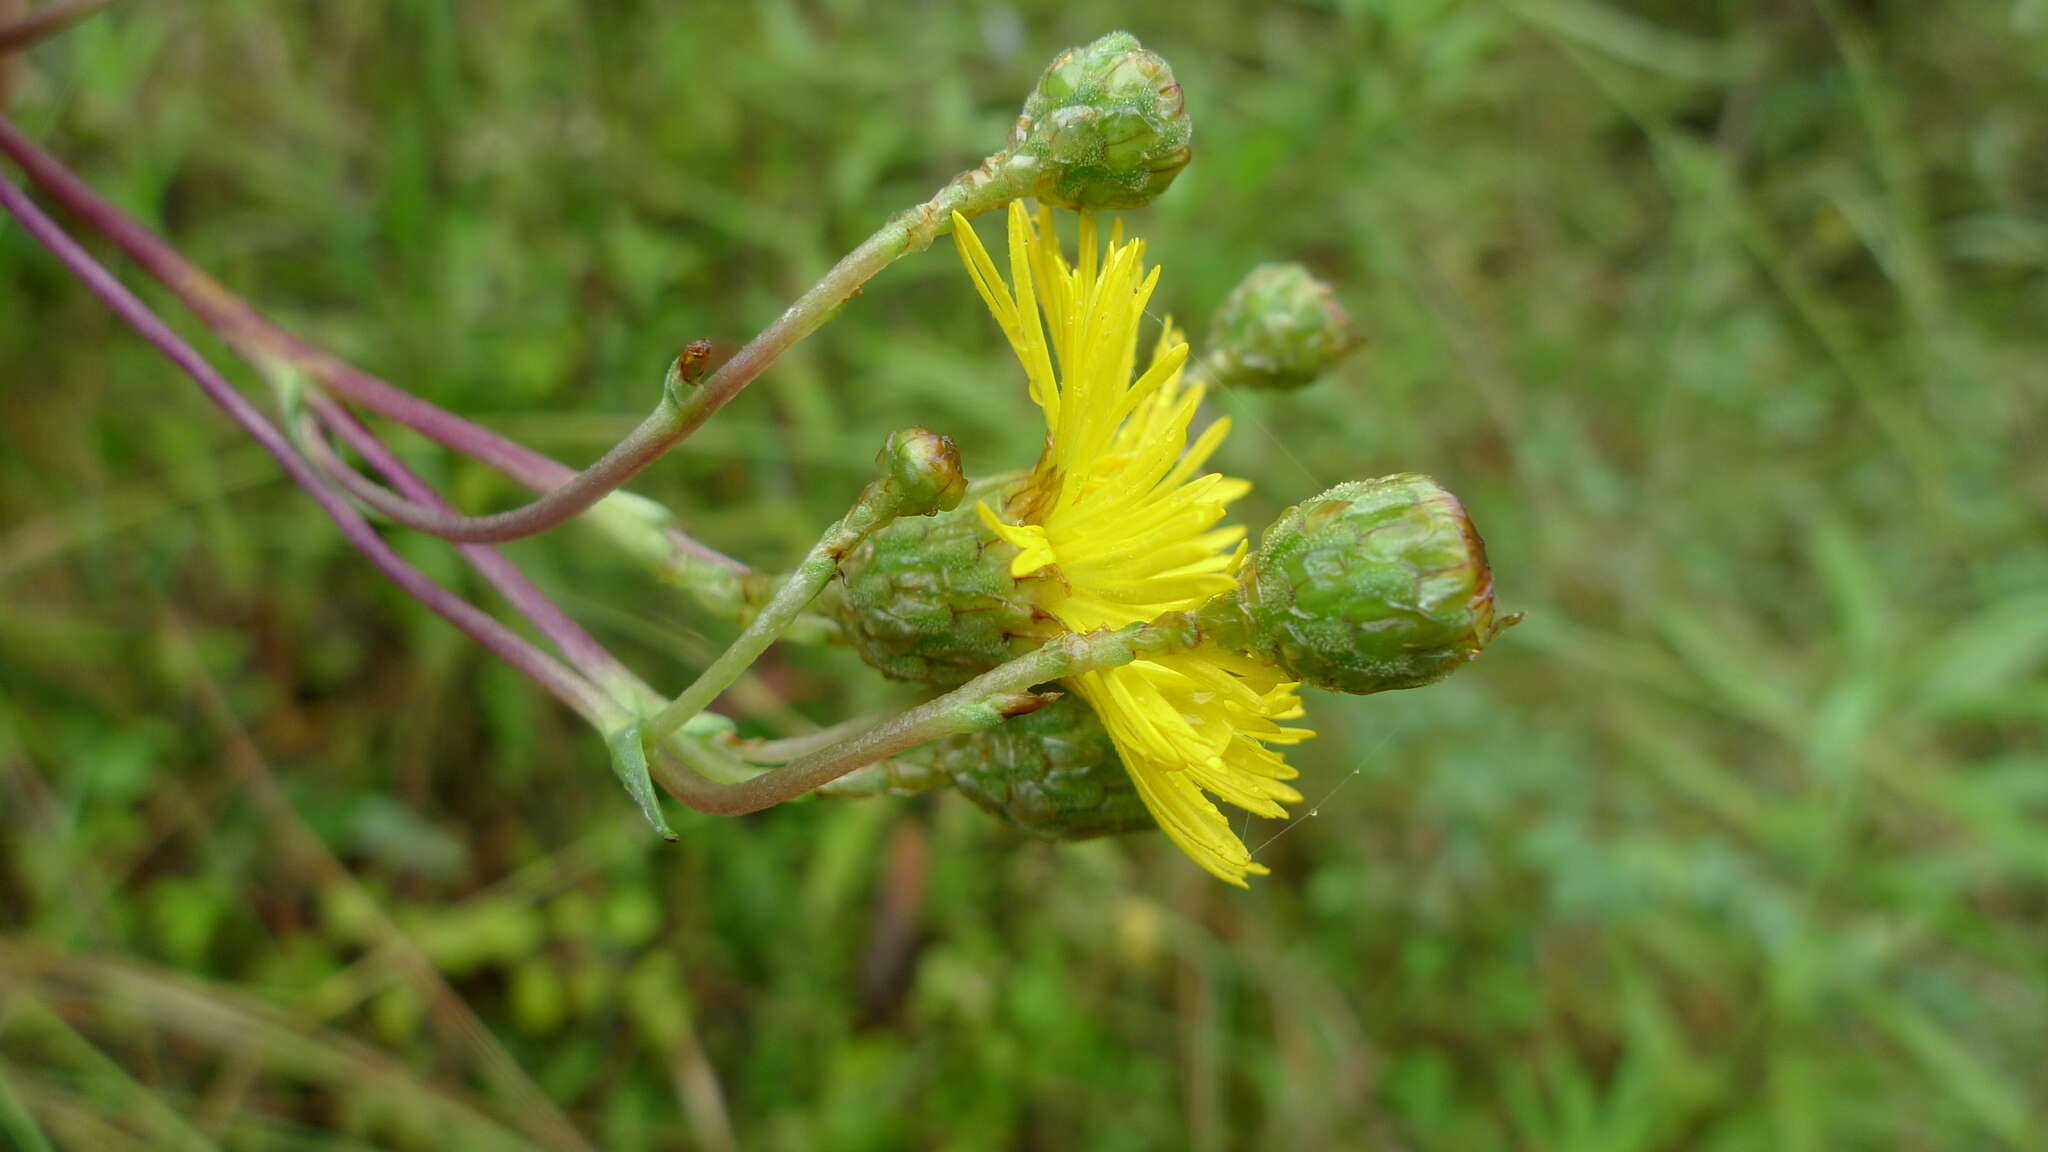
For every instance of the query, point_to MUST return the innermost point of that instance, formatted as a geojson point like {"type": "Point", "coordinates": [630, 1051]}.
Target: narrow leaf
{"type": "Point", "coordinates": [629, 760]}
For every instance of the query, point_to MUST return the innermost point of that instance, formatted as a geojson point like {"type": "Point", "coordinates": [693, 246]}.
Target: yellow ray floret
{"type": "Point", "coordinates": [1116, 527]}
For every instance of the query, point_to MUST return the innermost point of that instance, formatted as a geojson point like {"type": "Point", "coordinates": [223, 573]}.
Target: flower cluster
{"type": "Point", "coordinates": [1372, 586]}
{"type": "Point", "coordinates": [1117, 526]}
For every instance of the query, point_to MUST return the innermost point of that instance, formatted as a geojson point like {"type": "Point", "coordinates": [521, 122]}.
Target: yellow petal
{"type": "Point", "coordinates": [1126, 530]}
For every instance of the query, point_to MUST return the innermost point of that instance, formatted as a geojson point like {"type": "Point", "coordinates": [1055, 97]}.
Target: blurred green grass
{"type": "Point", "coordinates": [1730, 323]}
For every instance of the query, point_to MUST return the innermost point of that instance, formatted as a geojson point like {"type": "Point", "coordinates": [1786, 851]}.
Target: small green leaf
{"type": "Point", "coordinates": [629, 760]}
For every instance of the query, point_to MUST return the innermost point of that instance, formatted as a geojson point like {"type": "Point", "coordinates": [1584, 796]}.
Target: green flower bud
{"type": "Point", "coordinates": [1371, 586]}
{"type": "Point", "coordinates": [1106, 127]}
{"type": "Point", "coordinates": [1280, 328]}
{"type": "Point", "coordinates": [932, 600]}
{"type": "Point", "coordinates": [1053, 773]}
{"type": "Point", "coordinates": [925, 467]}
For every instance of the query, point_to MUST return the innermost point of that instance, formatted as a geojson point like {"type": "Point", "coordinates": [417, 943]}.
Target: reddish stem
{"type": "Point", "coordinates": [528, 600]}
{"type": "Point", "coordinates": [46, 21]}
{"type": "Point", "coordinates": [257, 338]}
{"type": "Point", "coordinates": [494, 636]}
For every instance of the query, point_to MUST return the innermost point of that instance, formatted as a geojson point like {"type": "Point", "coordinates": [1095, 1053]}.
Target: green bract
{"type": "Point", "coordinates": [1053, 773]}
{"type": "Point", "coordinates": [1371, 586]}
{"type": "Point", "coordinates": [1106, 127]}
{"type": "Point", "coordinates": [1280, 328]}
{"type": "Point", "coordinates": [932, 600]}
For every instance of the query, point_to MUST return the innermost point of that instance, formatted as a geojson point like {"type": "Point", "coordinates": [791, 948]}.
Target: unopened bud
{"type": "Point", "coordinates": [1106, 127]}
{"type": "Point", "coordinates": [1279, 329]}
{"type": "Point", "coordinates": [925, 467]}
{"type": "Point", "coordinates": [1371, 586]}
{"type": "Point", "coordinates": [1053, 773]}
{"type": "Point", "coordinates": [932, 600]}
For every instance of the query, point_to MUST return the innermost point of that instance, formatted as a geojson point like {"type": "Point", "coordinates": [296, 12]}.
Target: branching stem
{"type": "Point", "coordinates": [272, 349]}
{"type": "Point", "coordinates": [685, 406]}
{"type": "Point", "coordinates": [682, 410]}
{"type": "Point", "coordinates": [494, 636]}
{"type": "Point", "coordinates": [983, 702]}
{"type": "Point", "coordinates": [568, 637]}
{"type": "Point", "coordinates": [880, 502]}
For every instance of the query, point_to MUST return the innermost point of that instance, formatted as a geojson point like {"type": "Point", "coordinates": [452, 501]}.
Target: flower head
{"type": "Point", "coordinates": [1106, 127]}
{"type": "Point", "coordinates": [1373, 585]}
{"type": "Point", "coordinates": [1053, 773]}
{"type": "Point", "coordinates": [1115, 527]}
{"type": "Point", "coordinates": [1279, 329]}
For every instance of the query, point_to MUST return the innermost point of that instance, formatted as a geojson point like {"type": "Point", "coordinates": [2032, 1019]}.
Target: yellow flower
{"type": "Point", "coordinates": [1116, 528]}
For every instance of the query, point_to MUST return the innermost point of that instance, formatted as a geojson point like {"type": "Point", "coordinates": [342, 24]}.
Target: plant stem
{"type": "Point", "coordinates": [494, 636]}
{"type": "Point", "coordinates": [992, 185]}
{"type": "Point", "coordinates": [983, 702]}
{"type": "Point", "coordinates": [646, 531]}
{"type": "Point", "coordinates": [892, 777]}
{"type": "Point", "coordinates": [45, 22]}
{"type": "Point", "coordinates": [879, 503]}
{"type": "Point", "coordinates": [685, 407]}
{"type": "Point", "coordinates": [782, 751]}
{"type": "Point", "coordinates": [626, 459]}
{"type": "Point", "coordinates": [568, 637]}
{"type": "Point", "coordinates": [270, 347]}
{"type": "Point", "coordinates": [10, 12]}
{"type": "Point", "coordinates": [263, 342]}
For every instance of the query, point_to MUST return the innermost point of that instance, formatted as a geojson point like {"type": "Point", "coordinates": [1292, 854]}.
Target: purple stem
{"type": "Point", "coordinates": [256, 337]}
{"type": "Point", "coordinates": [528, 600]}
{"type": "Point", "coordinates": [553, 508]}
{"type": "Point", "coordinates": [46, 21]}
{"type": "Point", "coordinates": [494, 636]}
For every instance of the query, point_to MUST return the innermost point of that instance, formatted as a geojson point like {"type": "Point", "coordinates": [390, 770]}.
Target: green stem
{"type": "Point", "coordinates": [995, 183]}
{"type": "Point", "coordinates": [983, 702]}
{"type": "Point", "coordinates": [642, 446]}
{"type": "Point", "coordinates": [893, 777]}
{"type": "Point", "coordinates": [648, 533]}
{"type": "Point", "coordinates": [880, 502]}
{"type": "Point", "coordinates": [772, 752]}
{"type": "Point", "coordinates": [685, 404]}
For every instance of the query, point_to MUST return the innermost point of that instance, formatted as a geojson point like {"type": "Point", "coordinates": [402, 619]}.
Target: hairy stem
{"type": "Point", "coordinates": [494, 636]}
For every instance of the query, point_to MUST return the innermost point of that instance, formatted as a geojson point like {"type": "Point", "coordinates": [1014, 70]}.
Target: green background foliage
{"type": "Point", "coordinates": [1728, 321]}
